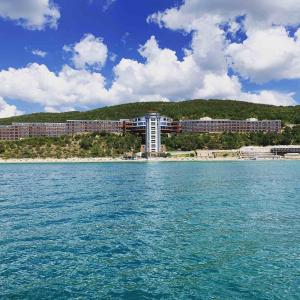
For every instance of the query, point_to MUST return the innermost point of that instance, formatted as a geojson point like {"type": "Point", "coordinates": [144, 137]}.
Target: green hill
{"type": "Point", "coordinates": [85, 145]}
{"type": "Point", "coordinates": [192, 109]}
{"type": "Point", "coordinates": [111, 145]}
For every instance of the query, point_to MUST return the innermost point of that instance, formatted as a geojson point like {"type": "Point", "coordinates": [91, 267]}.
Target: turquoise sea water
{"type": "Point", "coordinates": [190, 230]}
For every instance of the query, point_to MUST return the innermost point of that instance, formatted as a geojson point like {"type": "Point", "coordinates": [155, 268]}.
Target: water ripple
{"type": "Point", "coordinates": [150, 231]}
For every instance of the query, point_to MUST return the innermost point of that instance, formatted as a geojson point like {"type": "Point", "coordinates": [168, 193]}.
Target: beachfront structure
{"type": "Point", "coordinates": [153, 133]}
{"type": "Point", "coordinates": [41, 129]}
{"type": "Point", "coordinates": [82, 126]}
{"type": "Point", "coordinates": [26, 130]}
{"type": "Point", "coordinates": [9, 133]}
{"type": "Point", "coordinates": [282, 150]}
{"type": "Point", "coordinates": [137, 126]}
{"type": "Point", "coordinates": [208, 125]}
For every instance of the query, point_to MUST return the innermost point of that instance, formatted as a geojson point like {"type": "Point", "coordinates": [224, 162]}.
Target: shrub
{"type": "Point", "coordinates": [2, 148]}
{"type": "Point", "coordinates": [86, 143]}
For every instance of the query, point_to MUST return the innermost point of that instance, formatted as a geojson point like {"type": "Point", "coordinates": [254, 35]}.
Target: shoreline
{"type": "Point", "coordinates": [142, 160]}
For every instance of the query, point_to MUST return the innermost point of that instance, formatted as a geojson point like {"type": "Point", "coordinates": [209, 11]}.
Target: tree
{"type": "Point", "coordinates": [297, 119]}
{"type": "Point", "coordinates": [2, 148]}
{"type": "Point", "coordinates": [86, 143]}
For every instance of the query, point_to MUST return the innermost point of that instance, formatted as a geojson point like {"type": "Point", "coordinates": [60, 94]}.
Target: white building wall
{"type": "Point", "coordinates": [153, 133]}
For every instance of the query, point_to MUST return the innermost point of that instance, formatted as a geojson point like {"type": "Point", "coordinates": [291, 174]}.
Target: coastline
{"type": "Point", "coordinates": [142, 160]}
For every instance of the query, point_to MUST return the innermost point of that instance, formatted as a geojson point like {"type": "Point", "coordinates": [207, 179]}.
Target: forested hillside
{"type": "Point", "coordinates": [85, 145]}
{"type": "Point", "coordinates": [192, 109]}
{"type": "Point", "coordinates": [111, 145]}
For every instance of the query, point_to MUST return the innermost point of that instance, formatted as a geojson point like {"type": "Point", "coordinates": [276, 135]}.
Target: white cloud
{"type": "Point", "coordinates": [258, 13]}
{"type": "Point", "coordinates": [207, 47]}
{"type": "Point", "coordinates": [37, 84]}
{"type": "Point", "coordinates": [108, 4]}
{"type": "Point", "coordinates": [31, 14]}
{"type": "Point", "coordinates": [125, 37]}
{"type": "Point", "coordinates": [7, 110]}
{"type": "Point", "coordinates": [161, 77]}
{"type": "Point", "coordinates": [51, 109]}
{"type": "Point", "coordinates": [38, 52]}
{"type": "Point", "coordinates": [89, 52]}
{"type": "Point", "coordinates": [201, 73]}
{"type": "Point", "coordinates": [267, 54]}
{"type": "Point", "coordinates": [269, 97]}
{"type": "Point", "coordinates": [113, 57]}
{"type": "Point", "coordinates": [219, 87]}
{"type": "Point", "coordinates": [162, 74]}
{"type": "Point", "coordinates": [229, 88]}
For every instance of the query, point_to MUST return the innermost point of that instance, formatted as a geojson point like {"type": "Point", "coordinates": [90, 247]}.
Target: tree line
{"type": "Point", "coordinates": [84, 145]}
{"type": "Point", "coordinates": [193, 109]}
{"type": "Point", "coordinates": [225, 141]}
{"type": "Point", "coordinates": [112, 145]}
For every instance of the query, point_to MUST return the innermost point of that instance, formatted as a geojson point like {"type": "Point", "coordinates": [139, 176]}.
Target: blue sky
{"type": "Point", "coordinates": [120, 21]}
{"type": "Point", "coordinates": [61, 55]}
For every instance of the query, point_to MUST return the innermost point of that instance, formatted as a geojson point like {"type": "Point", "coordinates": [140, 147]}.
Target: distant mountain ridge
{"type": "Point", "coordinates": [191, 109]}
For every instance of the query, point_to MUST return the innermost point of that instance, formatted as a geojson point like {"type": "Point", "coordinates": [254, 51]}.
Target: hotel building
{"type": "Point", "coordinates": [150, 127]}
{"type": "Point", "coordinates": [138, 125]}
{"type": "Point", "coordinates": [208, 125]}
{"type": "Point", "coordinates": [153, 133]}
{"type": "Point", "coordinates": [9, 133]}
{"type": "Point", "coordinates": [41, 129]}
{"type": "Point", "coordinates": [82, 126]}
{"type": "Point", "coordinates": [26, 130]}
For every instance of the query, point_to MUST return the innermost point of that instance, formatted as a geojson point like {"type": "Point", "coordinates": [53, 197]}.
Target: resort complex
{"type": "Point", "coordinates": [139, 125]}
{"type": "Point", "coordinates": [149, 126]}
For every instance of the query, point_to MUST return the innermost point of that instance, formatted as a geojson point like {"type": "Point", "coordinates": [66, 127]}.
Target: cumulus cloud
{"type": "Point", "coordinates": [7, 110]}
{"type": "Point", "coordinates": [267, 54]}
{"type": "Point", "coordinates": [163, 76]}
{"type": "Point", "coordinates": [229, 87]}
{"type": "Point", "coordinates": [31, 14]}
{"type": "Point", "coordinates": [258, 13]}
{"type": "Point", "coordinates": [37, 84]}
{"type": "Point", "coordinates": [51, 109]}
{"type": "Point", "coordinates": [208, 46]}
{"type": "Point", "coordinates": [38, 52]}
{"type": "Point", "coordinates": [89, 52]}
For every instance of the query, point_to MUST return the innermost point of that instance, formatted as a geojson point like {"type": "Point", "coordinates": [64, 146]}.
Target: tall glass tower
{"type": "Point", "coordinates": [153, 134]}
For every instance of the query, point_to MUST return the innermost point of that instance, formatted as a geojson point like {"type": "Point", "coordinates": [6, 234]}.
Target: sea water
{"type": "Point", "coordinates": [188, 230]}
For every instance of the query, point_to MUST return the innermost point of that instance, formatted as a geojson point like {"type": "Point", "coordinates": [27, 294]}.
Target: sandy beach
{"type": "Point", "coordinates": [141, 160]}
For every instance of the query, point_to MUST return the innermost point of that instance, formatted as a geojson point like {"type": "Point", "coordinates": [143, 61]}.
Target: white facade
{"type": "Point", "coordinates": [153, 133]}
{"type": "Point", "coordinates": [140, 122]}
